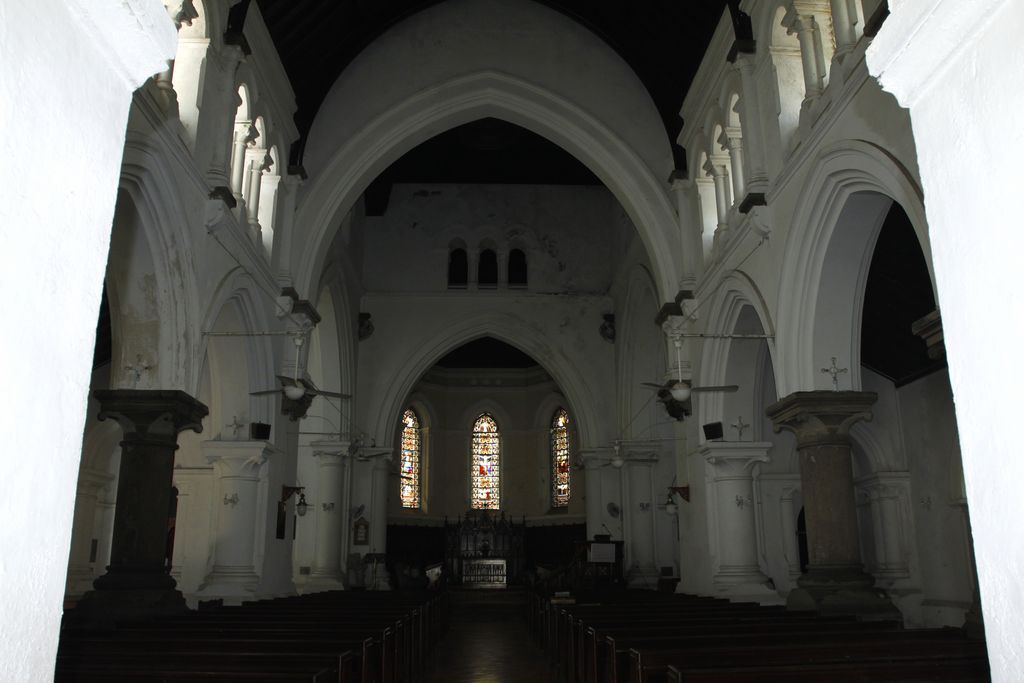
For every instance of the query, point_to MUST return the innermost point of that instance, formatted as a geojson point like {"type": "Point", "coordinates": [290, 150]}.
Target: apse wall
{"type": "Point", "coordinates": [523, 401]}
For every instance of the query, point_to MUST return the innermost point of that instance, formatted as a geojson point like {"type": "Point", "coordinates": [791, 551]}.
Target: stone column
{"type": "Point", "coordinates": [835, 582]}
{"type": "Point", "coordinates": [282, 253]}
{"type": "Point", "coordinates": [136, 582]}
{"type": "Point", "coordinates": [732, 140]}
{"type": "Point", "coordinates": [220, 104]}
{"type": "Point", "coordinates": [80, 571]}
{"type": "Point", "coordinates": [371, 467]}
{"type": "Point", "coordinates": [638, 510]}
{"type": "Point", "coordinates": [236, 469]}
{"type": "Point", "coordinates": [750, 116]}
{"type": "Point", "coordinates": [731, 466]}
{"type": "Point", "coordinates": [326, 573]}
{"type": "Point", "coordinates": [801, 19]}
{"type": "Point", "coordinates": [717, 166]}
{"type": "Point", "coordinates": [790, 546]}
{"type": "Point", "coordinates": [594, 462]}
{"type": "Point", "coordinates": [244, 133]}
{"type": "Point", "coordinates": [844, 19]}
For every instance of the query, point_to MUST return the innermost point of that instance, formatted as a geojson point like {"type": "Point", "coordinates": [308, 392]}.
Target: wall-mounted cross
{"type": "Point", "coordinates": [235, 426]}
{"type": "Point", "coordinates": [740, 426]}
{"type": "Point", "coordinates": [137, 369]}
{"type": "Point", "coordinates": [835, 372]}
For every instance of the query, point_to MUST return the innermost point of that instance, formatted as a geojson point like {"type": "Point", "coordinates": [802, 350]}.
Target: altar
{"type": "Point", "coordinates": [484, 549]}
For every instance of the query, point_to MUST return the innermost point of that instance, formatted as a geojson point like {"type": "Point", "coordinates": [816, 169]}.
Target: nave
{"type": "Point", "coordinates": [467, 636]}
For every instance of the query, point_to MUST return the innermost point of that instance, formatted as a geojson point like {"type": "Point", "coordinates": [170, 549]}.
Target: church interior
{"type": "Point", "coordinates": [435, 327]}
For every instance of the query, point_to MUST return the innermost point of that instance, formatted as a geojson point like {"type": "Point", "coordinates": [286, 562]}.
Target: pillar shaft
{"type": "Point", "coordinates": [236, 466]}
{"type": "Point", "coordinates": [594, 462]}
{"type": "Point", "coordinates": [731, 466]}
{"type": "Point", "coordinates": [151, 420]}
{"type": "Point", "coordinates": [327, 558]}
{"type": "Point", "coordinates": [821, 421]}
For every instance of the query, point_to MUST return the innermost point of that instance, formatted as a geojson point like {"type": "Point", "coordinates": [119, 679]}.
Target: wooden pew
{"type": "Point", "coordinates": [651, 666]}
{"type": "Point", "coordinates": [921, 671]}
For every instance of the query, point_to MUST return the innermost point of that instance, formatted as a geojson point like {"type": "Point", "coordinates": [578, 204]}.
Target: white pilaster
{"type": "Point", "coordinates": [80, 570]}
{"type": "Point", "coordinates": [595, 460]}
{"type": "Point", "coordinates": [329, 508]}
{"type": "Point", "coordinates": [733, 521]}
{"type": "Point", "coordinates": [638, 509]}
{"type": "Point", "coordinates": [237, 467]}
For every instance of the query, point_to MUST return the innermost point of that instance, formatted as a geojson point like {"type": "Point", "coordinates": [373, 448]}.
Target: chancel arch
{"type": "Point", "coordinates": [513, 84]}
{"type": "Point", "coordinates": [388, 399]}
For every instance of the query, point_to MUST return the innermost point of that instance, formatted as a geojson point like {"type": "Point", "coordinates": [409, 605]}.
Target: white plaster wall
{"type": "Point", "coordinates": [933, 454]}
{"type": "Point", "coordinates": [55, 233]}
{"type": "Point", "coordinates": [956, 67]}
{"type": "Point", "coordinates": [565, 232]}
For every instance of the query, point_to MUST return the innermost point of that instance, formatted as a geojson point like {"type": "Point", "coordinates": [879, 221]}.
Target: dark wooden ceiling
{"type": "Point", "coordinates": [662, 40]}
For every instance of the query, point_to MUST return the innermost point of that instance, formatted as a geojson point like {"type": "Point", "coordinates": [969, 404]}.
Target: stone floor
{"type": "Point", "coordinates": [489, 642]}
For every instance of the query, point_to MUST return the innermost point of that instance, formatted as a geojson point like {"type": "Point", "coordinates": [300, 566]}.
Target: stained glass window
{"type": "Point", "coordinates": [486, 464]}
{"type": "Point", "coordinates": [560, 459]}
{"type": "Point", "coordinates": [411, 450]}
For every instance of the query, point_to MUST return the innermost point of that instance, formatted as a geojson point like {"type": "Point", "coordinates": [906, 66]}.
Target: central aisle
{"type": "Point", "coordinates": [489, 642]}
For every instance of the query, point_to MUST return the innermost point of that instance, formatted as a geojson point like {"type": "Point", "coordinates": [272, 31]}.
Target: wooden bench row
{"type": "Point", "coordinates": [339, 636]}
{"type": "Point", "coordinates": [650, 638]}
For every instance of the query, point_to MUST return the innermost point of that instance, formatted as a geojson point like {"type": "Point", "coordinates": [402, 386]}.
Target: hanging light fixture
{"type": "Point", "coordinates": [296, 391]}
{"type": "Point", "coordinates": [680, 390]}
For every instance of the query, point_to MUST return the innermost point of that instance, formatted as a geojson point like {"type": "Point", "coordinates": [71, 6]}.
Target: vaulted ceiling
{"type": "Point", "coordinates": [662, 40]}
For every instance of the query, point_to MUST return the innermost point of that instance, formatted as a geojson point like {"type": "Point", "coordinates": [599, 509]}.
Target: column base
{"type": "Point", "coordinates": [746, 586]}
{"type": "Point", "coordinates": [974, 624]}
{"type": "Point", "coordinates": [841, 591]}
{"type": "Point", "coordinates": [643, 577]}
{"type": "Point", "coordinates": [318, 583]}
{"type": "Point", "coordinates": [80, 580]}
{"type": "Point", "coordinates": [122, 596]}
{"type": "Point", "coordinates": [233, 585]}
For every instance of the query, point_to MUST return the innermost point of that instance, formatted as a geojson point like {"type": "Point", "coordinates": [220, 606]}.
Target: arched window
{"type": "Point", "coordinates": [560, 459]}
{"type": "Point", "coordinates": [486, 464]}
{"type": "Point", "coordinates": [412, 451]}
{"type": "Point", "coordinates": [458, 269]}
{"type": "Point", "coordinates": [517, 268]}
{"type": "Point", "coordinates": [487, 271]}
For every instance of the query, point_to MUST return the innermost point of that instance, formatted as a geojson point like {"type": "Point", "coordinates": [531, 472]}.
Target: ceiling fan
{"type": "Point", "coordinates": [680, 389]}
{"type": "Point", "coordinates": [296, 388]}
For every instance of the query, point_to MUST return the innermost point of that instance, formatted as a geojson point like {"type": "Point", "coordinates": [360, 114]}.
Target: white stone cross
{"type": "Point", "coordinates": [137, 369]}
{"type": "Point", "coordinates": [835, 372]}
{"type": "Point", "coordinates": [739, 426]}
{"type": "Point", "coordinates": [235, 425]}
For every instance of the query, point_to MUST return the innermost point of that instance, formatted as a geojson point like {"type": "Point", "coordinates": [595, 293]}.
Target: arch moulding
{"type": "Point", "coordinates": [827, 256]}
{"type": "Point", "coordinates": [427, 113]}
{"type": "Point", "coordinates": [579, 393]}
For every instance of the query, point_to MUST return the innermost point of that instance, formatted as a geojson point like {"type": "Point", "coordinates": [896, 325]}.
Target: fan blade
{"type": "Point", "coordinates": [652, 385]}
{"type": "Point", "coordinates": [268, 392]}
{"type": "Point", "coordinates": [331, 394]}
{"type": "Point", "coordinates": [726, 388]}
{"type": "Point", "coordinates": [286, 381]}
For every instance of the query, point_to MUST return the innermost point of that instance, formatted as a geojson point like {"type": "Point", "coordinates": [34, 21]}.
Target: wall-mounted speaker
{"type": "Point", "coordinates": [713, 430]}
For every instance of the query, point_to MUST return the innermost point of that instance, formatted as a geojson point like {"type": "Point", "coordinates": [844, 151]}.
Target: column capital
{"type": "Point", "coordinates": [237, 458]}
{"type": "Point", "coordinates": [735, 458]}
{"type": "Point", "coordinates": [152, 413]}
{"type": "Point", "coordinates": [595, 458]}
{"type": "Point", "coordinates": [821, 418]}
